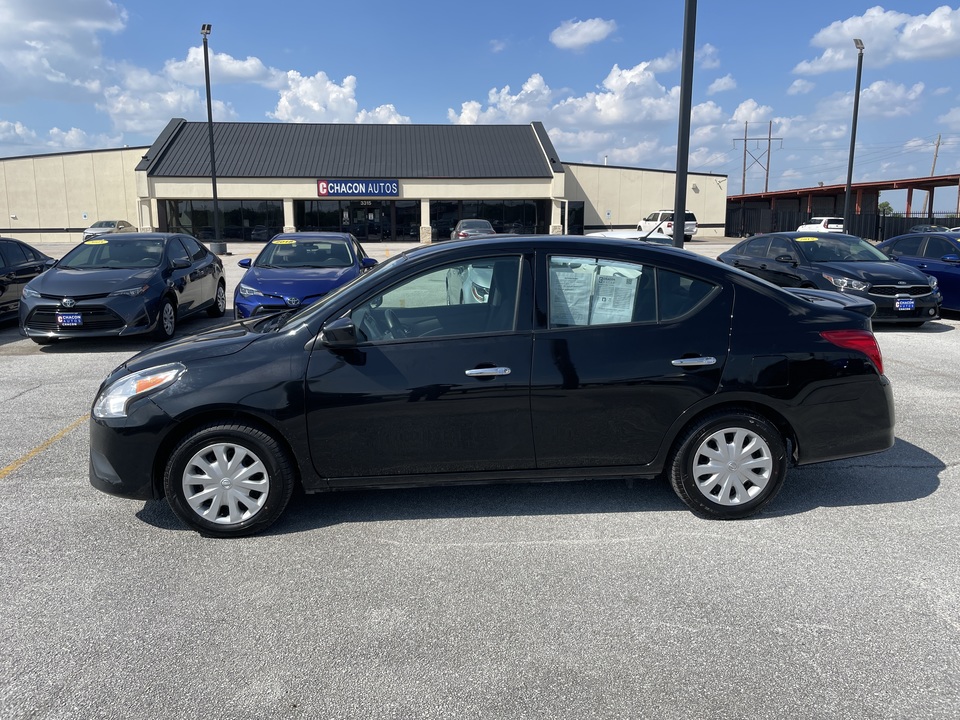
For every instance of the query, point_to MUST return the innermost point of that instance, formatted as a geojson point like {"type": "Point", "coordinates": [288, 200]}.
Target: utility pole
{"type": "Point", "coordinates": [757, 160]}
{"type": "Point", "coordinates": [933, 170]}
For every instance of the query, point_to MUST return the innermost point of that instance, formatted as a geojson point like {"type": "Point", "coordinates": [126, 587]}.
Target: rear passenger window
{"type": "Point", "coordinates": [937, 247]}
{"type": "Point", "coordinates": [591, 291]}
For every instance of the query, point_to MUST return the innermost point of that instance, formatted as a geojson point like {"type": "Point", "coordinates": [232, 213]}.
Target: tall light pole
{"type": "Point", "coordinates": [204, 31]}
{"type": "Point", "coordinates": [847, 220]}
{"type": "Point", "coordinates": [683, 130]}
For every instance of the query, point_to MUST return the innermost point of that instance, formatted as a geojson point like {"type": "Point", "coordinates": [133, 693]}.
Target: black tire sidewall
{"type": "Point", "coordinates": [274, 458]}
{"type": "Point", "coordinates": [681, 465]}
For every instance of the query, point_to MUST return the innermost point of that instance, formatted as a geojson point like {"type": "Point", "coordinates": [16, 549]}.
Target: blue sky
{"type": "Point", "coordinates": [603, 77]}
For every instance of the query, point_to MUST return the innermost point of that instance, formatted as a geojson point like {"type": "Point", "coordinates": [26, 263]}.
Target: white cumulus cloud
{"type": "Point", "coordinates": [578, 34]}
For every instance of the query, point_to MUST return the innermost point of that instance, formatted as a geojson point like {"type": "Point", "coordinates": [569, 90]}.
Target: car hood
{"type": "Point", "coordinates": [209, 344]}
{"type": "Point", "coordinates": [295, 281]}
{"type": "Point", "coordinates": [58, 281]}
{"type": "Point", "coordinates": [875, 273]}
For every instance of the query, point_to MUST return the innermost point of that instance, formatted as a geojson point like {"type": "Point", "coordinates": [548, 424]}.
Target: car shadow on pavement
{"type": "Point", "coordinates": [904, 473]}
{"type": "Point", "coordinates": [931, 327]}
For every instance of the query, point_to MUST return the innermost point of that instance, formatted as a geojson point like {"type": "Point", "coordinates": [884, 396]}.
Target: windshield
{"type": "Point", "coordinates": [104, 224]}
{"type": "Point", "coordinates": [476, 224]}
{"type": "Point", "coordinates": [839, 248]}
{"type": "Point", "coordinates": [290, 253]}
{"type": "Point", "coordinates": [102, 252]}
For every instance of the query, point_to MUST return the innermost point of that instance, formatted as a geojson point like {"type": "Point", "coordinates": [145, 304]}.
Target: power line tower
{"type": "Point", "coordinates": [756, 159]}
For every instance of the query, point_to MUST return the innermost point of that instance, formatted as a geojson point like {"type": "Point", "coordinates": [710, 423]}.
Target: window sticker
{"type": "Point", "coordinates": [95, 242]}
{"type": "Point", "coordinates": [807, 239]}
{"type": "Point", "coordinates": [284, 242]}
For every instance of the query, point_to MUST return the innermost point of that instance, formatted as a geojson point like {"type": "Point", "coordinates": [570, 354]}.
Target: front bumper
{"type": "Point", "coordinates": [124, 452]}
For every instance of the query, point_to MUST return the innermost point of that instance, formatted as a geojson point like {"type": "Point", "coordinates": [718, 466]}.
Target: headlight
{"type": "Point", "coordinates": [247, 291]}
{"type": "Point", "coordinates": [845, 283]}
{"type": "Point", "coordinates": [30, 292]}
{"type": "Point", "coordinates": [115, 398]}
{"type": "Point", "coordinates": [480, 292]}
{"type": "Point", "coordinates": [930, 279]}
{"type": "Point", "coordinates": [130, 292]}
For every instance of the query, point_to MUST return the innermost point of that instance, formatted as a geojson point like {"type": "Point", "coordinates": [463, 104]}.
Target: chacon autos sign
{"type": "Point", "coordinates": [358, 188]}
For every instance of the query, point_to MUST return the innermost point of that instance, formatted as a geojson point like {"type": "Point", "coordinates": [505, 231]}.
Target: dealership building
{"type": "Point", "coordinates": [409, 183]}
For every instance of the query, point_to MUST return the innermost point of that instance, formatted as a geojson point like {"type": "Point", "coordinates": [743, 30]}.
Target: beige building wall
{"type": "Point", "coordinates": [618, 198]}
{"type": "Point", "coordinates": [52, 198]}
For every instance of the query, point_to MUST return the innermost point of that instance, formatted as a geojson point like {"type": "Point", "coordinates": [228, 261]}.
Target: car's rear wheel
{"type": "Point", "coordinates": [219, 306]}
{"type": "Point", "coordinates": [166, 320]}
{"type": "Point", "coordinates": [728, 465]}
{"type": "Point", "coordinates": [228, 480]}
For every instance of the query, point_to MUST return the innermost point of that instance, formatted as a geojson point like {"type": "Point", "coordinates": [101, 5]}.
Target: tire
{"type": "Point", "coordinates": [166, 320]}
{"type": "Point", "coordinates": [219, 306]}
{"type": "Point", "coordinates": [708, 469]}
{"type": "Point", "coordinates": [227, 480]}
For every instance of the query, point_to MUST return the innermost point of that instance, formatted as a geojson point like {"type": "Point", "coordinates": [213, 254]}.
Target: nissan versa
{"type": "Point", "coordinates": [582, 358]}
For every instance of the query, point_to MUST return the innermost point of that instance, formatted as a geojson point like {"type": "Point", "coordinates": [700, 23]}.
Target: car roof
{"type": "Point", "coordinates": [794, 234]}
{"type": "Point", "coordinates": [311, 235]}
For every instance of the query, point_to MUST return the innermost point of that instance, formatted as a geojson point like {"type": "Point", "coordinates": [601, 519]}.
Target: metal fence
{"type": "Point", "coordinates": [743, 222]}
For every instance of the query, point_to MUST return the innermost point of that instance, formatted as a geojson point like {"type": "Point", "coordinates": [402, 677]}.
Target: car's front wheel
{"type": "Point", "coordinates": [728, 465]}
{"type": "Point", "coordinates": [228, 480]}
{"type": "Point", "coordinates": [219, 306]}
{"type": "Point", "coordinates": [166, 320]}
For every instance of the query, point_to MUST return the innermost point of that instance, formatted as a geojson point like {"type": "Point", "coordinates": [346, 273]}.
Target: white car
{"type": "Point", "coordinates": [655, 237]}
{"type": "Point", "coordinates": [662, 221]}
{"type": "Point", "coordinates": [822, 224]}
{"type": "Point", "coordinates": [107, 226]}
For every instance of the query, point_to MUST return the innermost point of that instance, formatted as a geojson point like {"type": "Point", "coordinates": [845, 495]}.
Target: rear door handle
{"type": "Point", "coordinates": [694, 362]}
{"type": "Point", "coordinates": [488, 372]}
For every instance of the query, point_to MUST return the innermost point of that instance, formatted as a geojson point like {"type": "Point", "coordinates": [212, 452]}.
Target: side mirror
{"type": "Point", "coordinates": [339, 334]}
{"type": "Point", "coordinates": [181, 264]}
{"type": "Point", "coordinates": [245, 263]}
{"type": "Point", "coordinates": [788, 259]}
{"type": "Point", "coordinates": [951, 258]}
{"type": "Point", "coordinates": [365, 263]}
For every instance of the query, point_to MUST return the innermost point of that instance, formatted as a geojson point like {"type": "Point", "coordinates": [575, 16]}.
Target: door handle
{"type": "Point", "coordinates": [488, 372]}
{"type": "Point", "coordinates": [694, 362]}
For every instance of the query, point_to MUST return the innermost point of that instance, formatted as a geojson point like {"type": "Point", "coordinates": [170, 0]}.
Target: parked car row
{"type": "Point", "coordinates": [836, 261]}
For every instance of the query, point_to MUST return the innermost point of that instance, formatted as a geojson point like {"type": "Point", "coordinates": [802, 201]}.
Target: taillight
{"type": "Point", "coordinates": [669, 226]}
{"type": "Point", "coordinates": [860, 340]}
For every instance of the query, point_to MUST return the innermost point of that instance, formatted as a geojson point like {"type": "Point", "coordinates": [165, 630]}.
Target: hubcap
{"type": "Point", "coordinates": [226, 483]}
{"type": "Point", "coordinates": [221, 298]}
{"type": "Point", "coordinates": [732, 466]}
{"type": "Point", "coordinates": [169, 319]}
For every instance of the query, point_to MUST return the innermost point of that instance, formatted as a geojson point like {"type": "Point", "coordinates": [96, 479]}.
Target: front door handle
{"type": "Point", "coordinates": [694, 361]}
{"type": "Point", "coordinates": [488, 372]}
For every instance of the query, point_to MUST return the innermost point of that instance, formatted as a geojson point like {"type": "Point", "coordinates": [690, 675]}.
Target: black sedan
{"type": "Point", "coordinates": [127, 284]}
{"type": "Point", "coordinates": [585, 358]}
{"type": "Point", "coordinates": [19, 264]}
{"type": "Point", "coordinates": [934, 253]}
{"type": "Point", "coordinates": [843, 263]}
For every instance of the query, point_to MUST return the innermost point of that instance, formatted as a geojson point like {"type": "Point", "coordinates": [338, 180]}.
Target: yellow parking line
{"type": "Point", "coordinates": [16, 464]}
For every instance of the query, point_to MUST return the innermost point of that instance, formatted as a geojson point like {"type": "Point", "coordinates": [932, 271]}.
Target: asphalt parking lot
{"type": "Point", "coordinates": [567, 600]}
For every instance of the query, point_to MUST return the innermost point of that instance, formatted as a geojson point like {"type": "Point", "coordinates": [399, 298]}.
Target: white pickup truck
{"type": "Point", "coordinates": [662, 221]}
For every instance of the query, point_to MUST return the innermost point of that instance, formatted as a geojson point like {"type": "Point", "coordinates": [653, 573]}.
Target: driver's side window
{"type": "Point", "coordinates": [462, 298]}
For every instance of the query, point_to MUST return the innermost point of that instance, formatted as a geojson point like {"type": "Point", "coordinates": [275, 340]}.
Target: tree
{"type": "Point", "coordinates": [885, 208]}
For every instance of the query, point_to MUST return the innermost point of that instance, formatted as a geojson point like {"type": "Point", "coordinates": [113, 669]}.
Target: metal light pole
{"type": "Point", "coordinates": [683, 132]}
{"type": "Point", "coordinates": [221, 247]}
{"type": "Point", "coordinates": [847, 220]}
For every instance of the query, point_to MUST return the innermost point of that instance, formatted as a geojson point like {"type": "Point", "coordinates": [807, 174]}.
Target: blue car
{"type": "Point", "coordinates": [936, 254]}
{"type": "Point", "coordinates": [296, 269]}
